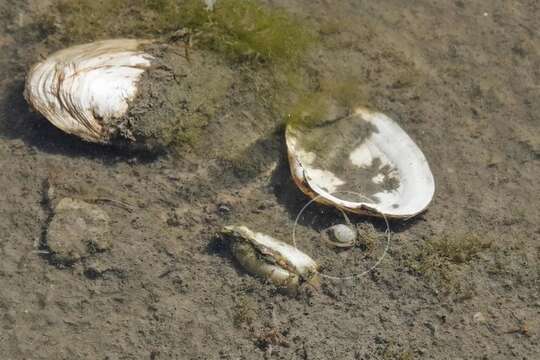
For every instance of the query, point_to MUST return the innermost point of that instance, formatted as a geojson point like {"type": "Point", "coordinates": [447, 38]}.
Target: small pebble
{"type": "Point", "coordinates": [77, 230]}
{"type": "Point", "coordinates": [479, 318]}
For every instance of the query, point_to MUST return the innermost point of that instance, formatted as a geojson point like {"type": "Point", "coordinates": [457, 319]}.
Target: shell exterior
{"type": "Point", "coordinates": [83, 89]}
{"type": "Point", "coordinates": [341, 235]}
{"type": "Point", "coordinates": [271, 259]}
{"type": "Point", "coordinates": [364, 163]}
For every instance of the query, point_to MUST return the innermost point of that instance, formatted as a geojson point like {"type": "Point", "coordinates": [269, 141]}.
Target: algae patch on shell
{"type": "Point", "coordinates": [128, 91]}
{"type": "Point", "coordinates": [178, 97]}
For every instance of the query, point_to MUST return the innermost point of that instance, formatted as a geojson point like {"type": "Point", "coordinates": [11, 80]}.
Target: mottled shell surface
{"type": "Point", "coordinates": [363, 163]}
{"type": "Point", "coordinates": [82, 90]}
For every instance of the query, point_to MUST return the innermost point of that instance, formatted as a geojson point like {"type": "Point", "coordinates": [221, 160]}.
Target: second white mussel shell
{"type": "Point", "coordinates": [82, 90]}
{"type": "Point", "coordinates": [363, 163]}
{"type": "Point", "coordinates": [263, 256]}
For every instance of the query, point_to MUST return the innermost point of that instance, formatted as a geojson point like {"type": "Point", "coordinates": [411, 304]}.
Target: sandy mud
{"type": "Point", "coordinates": [461, 281]}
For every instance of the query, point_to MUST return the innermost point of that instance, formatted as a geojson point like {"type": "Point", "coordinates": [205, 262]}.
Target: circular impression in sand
{"type": "Point", "coordinates": [345, 246]}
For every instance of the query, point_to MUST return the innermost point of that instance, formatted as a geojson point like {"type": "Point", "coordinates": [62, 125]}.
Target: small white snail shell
{"type": "Point", "coordinates": [340, 235]}
{"type": "Point", "coordinates": [82, 90]}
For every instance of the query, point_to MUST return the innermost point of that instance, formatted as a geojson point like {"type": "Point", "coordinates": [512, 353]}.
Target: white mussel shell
{"type": "Point", "coordinates": [82, 90]}
{"type": "Point", "coordinates": [363, 163]}
{"type": "Point", "coordinates": [271, 259]}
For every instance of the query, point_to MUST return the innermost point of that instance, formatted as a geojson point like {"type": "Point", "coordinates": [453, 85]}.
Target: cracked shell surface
{"type": "Point", "coordinates": [363, 163]}
{"type": "Point", "coordinates": [84, 89]}
{"type": "Point", "coordinates": [271, 259]}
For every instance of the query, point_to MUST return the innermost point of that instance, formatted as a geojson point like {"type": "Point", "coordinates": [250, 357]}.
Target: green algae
{"type": "Point", "coordinates": [238, 29]}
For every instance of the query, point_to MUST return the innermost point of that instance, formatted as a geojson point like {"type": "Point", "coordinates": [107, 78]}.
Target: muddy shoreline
{"type": "Point", "coordinates": [461, 281]}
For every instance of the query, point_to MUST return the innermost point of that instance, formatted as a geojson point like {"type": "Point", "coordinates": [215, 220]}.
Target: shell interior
{"type": "Point", "coordinates": [82, 89]}
{"type": "Point", "coordinates": [364, 163]}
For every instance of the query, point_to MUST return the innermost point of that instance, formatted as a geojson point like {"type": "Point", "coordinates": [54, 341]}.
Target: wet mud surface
{"type": "Point", "coordinates": [462, 78]}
